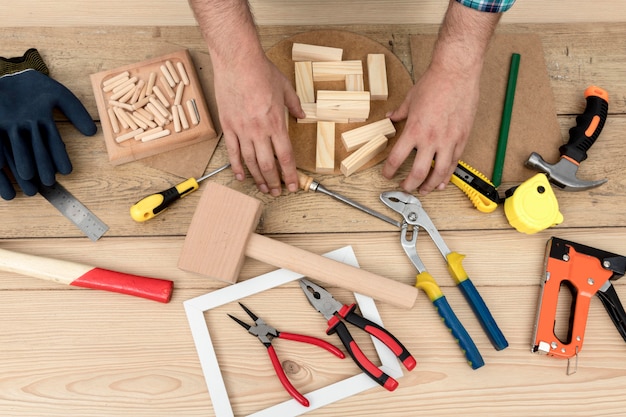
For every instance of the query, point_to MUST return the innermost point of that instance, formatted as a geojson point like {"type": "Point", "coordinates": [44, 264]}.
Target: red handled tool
{"type": "Point", "coordinates": [79, 275]}
{"type": "Point", "coordinates": [334, 311]}
{"type": "Point", "coordinates": [265, 333]}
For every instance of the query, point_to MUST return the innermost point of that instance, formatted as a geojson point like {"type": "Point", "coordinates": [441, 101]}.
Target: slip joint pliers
{"type": "Point", "coordinates": [415, 217]}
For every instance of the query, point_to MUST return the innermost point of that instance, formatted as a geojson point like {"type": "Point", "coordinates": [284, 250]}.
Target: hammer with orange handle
{"type": "Point", "coordinates": [79, 275]}
{"type": "Point", "coordinates": [581, 137]}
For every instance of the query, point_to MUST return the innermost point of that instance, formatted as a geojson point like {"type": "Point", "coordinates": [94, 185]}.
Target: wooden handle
{"type": "Point", "coordinates": [304, 180]}
{"type": "Point", "coordinates": [329, 271]}
{"type": "Point", "coordinates": [71, 273]}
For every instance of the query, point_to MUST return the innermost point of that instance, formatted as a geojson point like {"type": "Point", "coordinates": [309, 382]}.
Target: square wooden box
{"type": "Point", "coordinates": [131, 150]}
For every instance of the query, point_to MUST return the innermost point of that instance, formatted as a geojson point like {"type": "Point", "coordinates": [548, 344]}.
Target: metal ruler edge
{"type": "Point", "coordinates": [74, 210]}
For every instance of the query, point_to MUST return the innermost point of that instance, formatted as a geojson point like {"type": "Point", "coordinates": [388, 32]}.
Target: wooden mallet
{"type": "Point", "coordinates": [222, 234]}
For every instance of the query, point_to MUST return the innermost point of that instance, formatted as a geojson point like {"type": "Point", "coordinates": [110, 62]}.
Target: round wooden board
{"type": "Point", "coordinates": [355, 47]}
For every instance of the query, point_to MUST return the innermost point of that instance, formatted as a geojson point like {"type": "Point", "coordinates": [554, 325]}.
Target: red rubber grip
{"type": "Point", "coordinates": [103, 279]}
{"type": "Point", "coordinates": [283, 378]}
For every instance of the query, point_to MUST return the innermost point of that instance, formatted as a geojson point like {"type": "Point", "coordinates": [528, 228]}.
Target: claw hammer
{"type": "Point", "coordinates": [582, 136]}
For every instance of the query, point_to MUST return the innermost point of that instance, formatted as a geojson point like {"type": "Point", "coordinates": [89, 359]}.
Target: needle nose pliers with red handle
{"type": "Point", "coordinates": [265, 333]}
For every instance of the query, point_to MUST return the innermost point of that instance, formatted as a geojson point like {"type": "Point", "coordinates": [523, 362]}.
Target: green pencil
{"type": "Point", "coordinates": [506, 120]}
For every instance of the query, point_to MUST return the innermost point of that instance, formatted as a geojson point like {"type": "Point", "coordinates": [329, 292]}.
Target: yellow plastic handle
{"type": "Point", "coordinates": [150, 206]}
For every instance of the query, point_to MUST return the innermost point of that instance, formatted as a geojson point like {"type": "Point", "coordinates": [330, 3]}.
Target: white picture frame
{"type": "Point", "coordinates": [196, 307]}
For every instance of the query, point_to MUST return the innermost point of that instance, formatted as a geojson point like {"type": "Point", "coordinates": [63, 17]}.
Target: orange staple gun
{"type": "Point", "coordinates": [586, 272]}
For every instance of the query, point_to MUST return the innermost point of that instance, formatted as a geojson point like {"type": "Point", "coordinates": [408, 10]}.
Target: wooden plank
{"type": "Point", "coordinates": [377, 76]}
{"type": "Point", "coordinates": [340, 104]}
{"type": "Point", "coordinates": [307, 52]}
{"type": "Point", "coordinates": [304, 82]}
{"type": "Point", "coordinates": [362, 155]}
{"type": "Point", "coordinates": [354, 82]}
{"type": "Point", "coordinates": [310, 110]}
{"type": "Point", "coordinates": [355, 138]}
{"type": "Point", "coordinates": [325, 149]}
{"type": "Point", "coordinates": [336, 71]}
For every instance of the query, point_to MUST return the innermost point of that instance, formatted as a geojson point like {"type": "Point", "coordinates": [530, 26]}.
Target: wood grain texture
{"type": "Point", "coordinates": [284, 12]}
{"type": "Point", "coordinates": [75, 352]}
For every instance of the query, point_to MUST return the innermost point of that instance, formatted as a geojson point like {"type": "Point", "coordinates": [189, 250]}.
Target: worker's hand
{"type": "Point", "coordinates": [252, 100]}
{"type": "Point", "coordinates": [32, 147]}
{"type": "Point", "coordinates": [439, 112]}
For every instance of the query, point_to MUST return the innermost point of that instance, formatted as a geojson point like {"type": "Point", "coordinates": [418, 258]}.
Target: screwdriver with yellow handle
{"type": "Point", "coordinates": [150, 206]}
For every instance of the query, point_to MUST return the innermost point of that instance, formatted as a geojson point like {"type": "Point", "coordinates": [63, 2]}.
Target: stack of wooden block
{"type": "Point", "coordinates": [313, 63]}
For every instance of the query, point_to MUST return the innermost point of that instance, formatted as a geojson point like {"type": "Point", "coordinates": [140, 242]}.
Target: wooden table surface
{"type": "Point", "coordinates": [76, 352]}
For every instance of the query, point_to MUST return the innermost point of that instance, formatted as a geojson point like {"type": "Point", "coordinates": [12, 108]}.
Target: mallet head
{"type": "Point", "coordinates": [562, 174]}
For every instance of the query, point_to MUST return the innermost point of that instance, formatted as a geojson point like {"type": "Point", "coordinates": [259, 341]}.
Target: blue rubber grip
{"type": "Point", "coordinates": [483, 314]}
{"type": "Point", "coordinates": [460, 334]}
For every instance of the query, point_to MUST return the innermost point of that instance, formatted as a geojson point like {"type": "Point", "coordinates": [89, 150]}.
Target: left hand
{"type": "Point", "coordinates": [439, 111]}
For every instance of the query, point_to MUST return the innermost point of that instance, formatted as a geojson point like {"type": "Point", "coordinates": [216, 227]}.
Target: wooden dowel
{"type": "Point", "coordinates": [123, 75]}
{"type": "Point", "coordinates": [167, 75]}
{"type": "Point", "coordinates": [172, 71]}
{"type": "Point", "coordinates": [183, 73]}
{"type": "Point", "coordinates": [128, 135]}
{"type": "Point", "coordinates": [113, 119]}
{"type": "Point", "coordinates": [158, 135]}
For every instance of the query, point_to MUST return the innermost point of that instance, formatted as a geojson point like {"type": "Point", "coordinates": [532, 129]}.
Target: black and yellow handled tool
{"type": "Point", "coordinates": [478, 188]}
{"type": "Point", "coordinates": [150, 206]}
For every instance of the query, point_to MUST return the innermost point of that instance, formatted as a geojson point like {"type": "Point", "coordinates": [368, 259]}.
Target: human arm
{"type": "Point", "coordinates": [251, 94]}
{"type": "Point", "coordinates": [440, 108]}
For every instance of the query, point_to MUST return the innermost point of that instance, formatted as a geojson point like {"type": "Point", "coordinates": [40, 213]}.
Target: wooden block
{"type": "Point", "coordinates": [227, 239]}
{"type": "Point", "coordinates": [307, 52]}
{"type": "Point", "coordinates": [355, 138]}
{"type": "Point", "coordinates": [304, 82]}
{"type": "Point", "coordinates": [360, 157]}
{"type": "Point", "coordinates": [377, 75]}
{"type": "Point", "coordinates": [127, 151]}
{"type": "Point", "coordinates": [336, 71]}
{"type": "Point", "coordinates": [343, 104]}
{"type": "Point", "coordinates": [325, 149]}
{"type": "Point", "coordinates": [354, 82]}
{"type": "Point", "coordinates": [310, 109]}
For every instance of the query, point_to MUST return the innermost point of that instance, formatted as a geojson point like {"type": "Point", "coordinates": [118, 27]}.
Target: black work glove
{"type": "Point", "coordinates": [31, 146]}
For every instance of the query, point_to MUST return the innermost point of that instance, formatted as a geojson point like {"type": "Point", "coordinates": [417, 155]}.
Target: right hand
{"type": "Point", "coordinates": [252, 98]}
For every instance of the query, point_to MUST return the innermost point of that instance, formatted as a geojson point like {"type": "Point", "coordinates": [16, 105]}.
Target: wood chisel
{"type": "Point", "coordinates": [308, 183]}
{"type": "Point", "coordinates": [74, 210]}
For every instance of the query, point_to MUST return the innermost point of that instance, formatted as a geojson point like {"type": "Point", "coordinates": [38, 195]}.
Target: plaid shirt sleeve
{"type": "Point", "coordinates": [492, 6]}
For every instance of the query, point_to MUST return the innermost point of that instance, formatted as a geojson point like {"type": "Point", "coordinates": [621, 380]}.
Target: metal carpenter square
{"type": "Point", "coordinates": [74, 210]}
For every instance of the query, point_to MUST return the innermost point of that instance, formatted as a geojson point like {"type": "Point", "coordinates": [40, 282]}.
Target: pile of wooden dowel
{"type": "Point", "coordinates": [313, 63]}
{"type": "Point", "coordinates": [149, 106]}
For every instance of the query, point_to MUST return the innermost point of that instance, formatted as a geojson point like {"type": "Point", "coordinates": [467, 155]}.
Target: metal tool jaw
{"type": "Point", "coordinates": [320, 299]}
{"type": "Point", "coordinates": [414, 215]}
{"type": "Point", "coordinates": [263, 331]}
